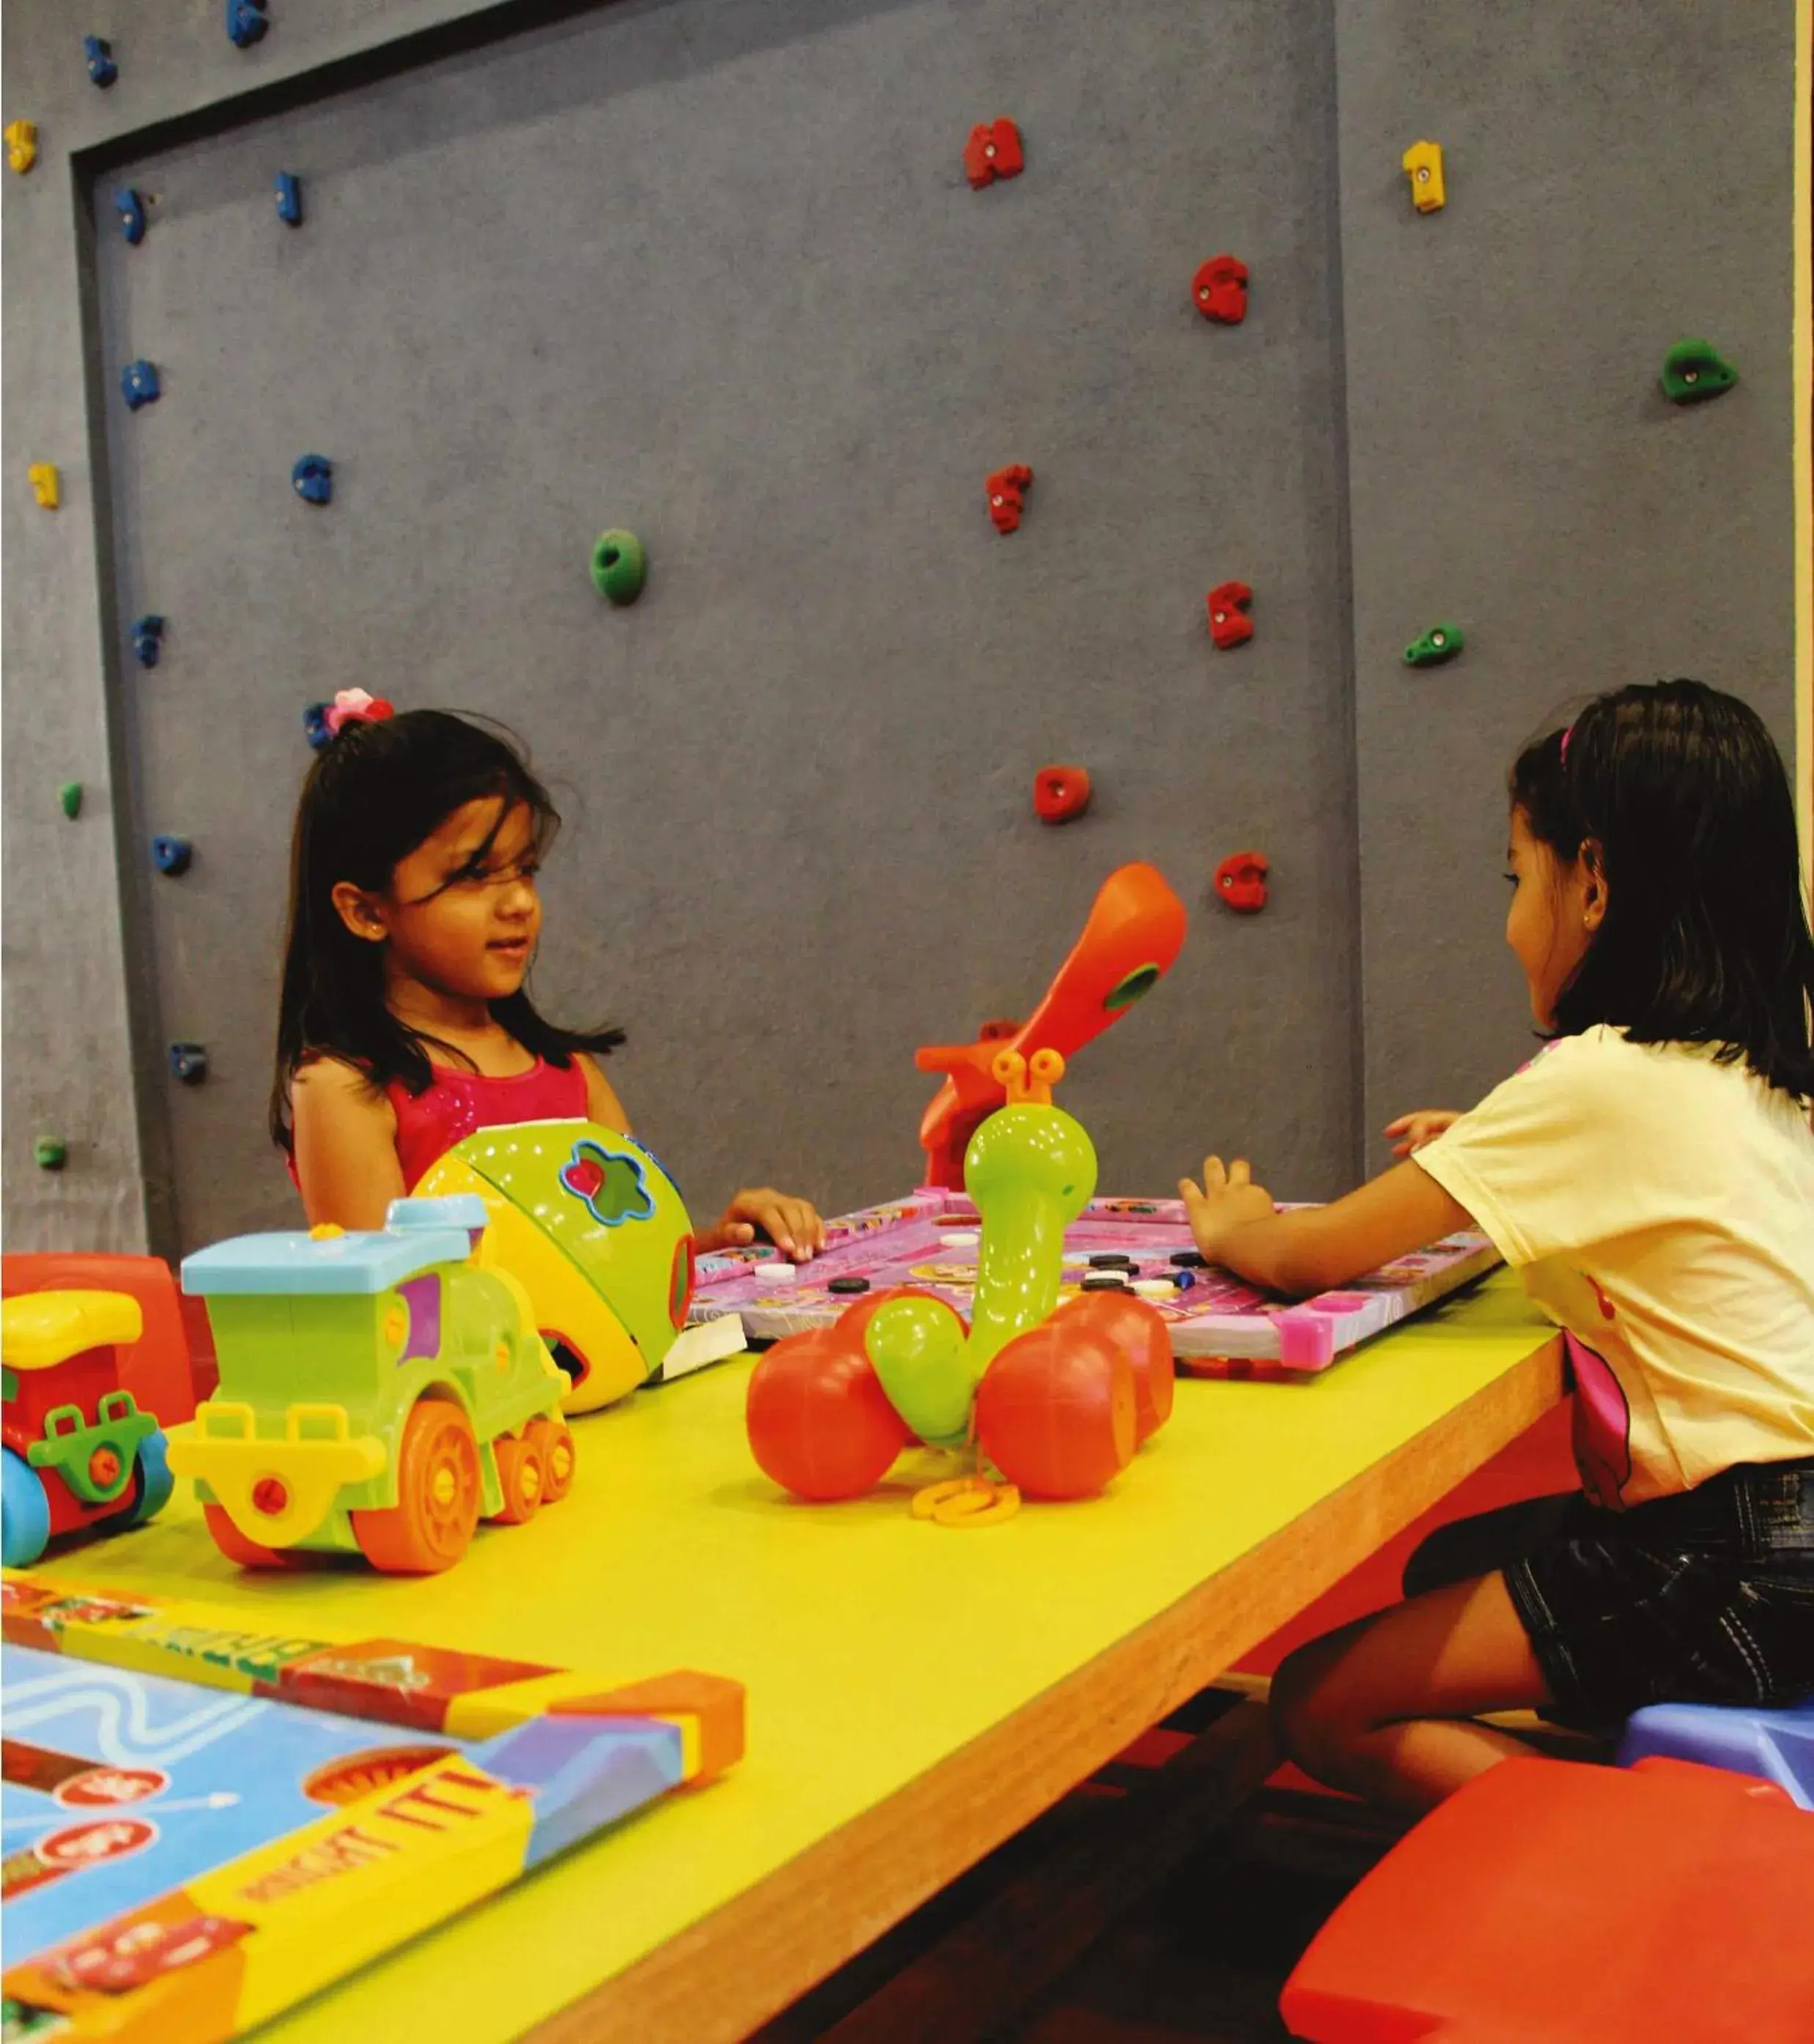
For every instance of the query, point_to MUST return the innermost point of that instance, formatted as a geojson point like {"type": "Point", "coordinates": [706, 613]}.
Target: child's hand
{"type": "Point", "coordinates": [1414, 1130]}
{"type": "Point", "coordinates": [793, 1225]}
{"type": "Point", "coordinates": [1225, 1200]}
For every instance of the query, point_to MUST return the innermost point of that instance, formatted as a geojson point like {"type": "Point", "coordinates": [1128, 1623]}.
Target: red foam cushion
{"type": "Point", "coordinates": [1550, 1903]}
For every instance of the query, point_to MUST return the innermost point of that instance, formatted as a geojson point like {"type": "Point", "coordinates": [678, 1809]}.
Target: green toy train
{"type": "Point", "coordinates": [380, 1393]}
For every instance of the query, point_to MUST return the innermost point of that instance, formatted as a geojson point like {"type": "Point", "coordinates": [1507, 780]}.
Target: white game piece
{"type": "Point", "coordinates": [782, 1274]}
{"type": "Point", "coordinates": [1156, 1288]}
{"type": "Point", "coordinates": [962, 1238]}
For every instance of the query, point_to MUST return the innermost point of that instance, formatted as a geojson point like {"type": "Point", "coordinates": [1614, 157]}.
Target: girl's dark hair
{"type": "Point", "coordinates": [1678, 794]}
{"type": "Point", "coordinates": [373, 795]}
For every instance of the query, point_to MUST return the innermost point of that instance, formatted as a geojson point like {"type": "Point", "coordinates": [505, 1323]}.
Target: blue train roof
{"type": "Point", "coordinates": [428, 1232]}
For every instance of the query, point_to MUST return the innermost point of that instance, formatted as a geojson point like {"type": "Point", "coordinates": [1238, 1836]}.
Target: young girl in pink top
{"type": "Point", "coordinates": [404, 1022]}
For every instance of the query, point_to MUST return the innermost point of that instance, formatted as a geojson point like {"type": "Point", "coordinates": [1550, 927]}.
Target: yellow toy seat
{"type": "Point", "coordinates": [38, 1330]}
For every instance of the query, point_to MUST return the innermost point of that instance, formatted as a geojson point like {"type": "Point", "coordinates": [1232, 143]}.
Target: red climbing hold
{"type": "Point", "coordinates": [1220, 290]}
{"type": "Point", "coordinates": [1007, 491]}
{"type": "Point", "coordinates": [1240, 880]}
{"type": "Point", "coordinates": [1229, 624]}
{"type": "Point", "coordinates": [993, 152]}
{"type": "Point", "coordinates": [1061, 793]}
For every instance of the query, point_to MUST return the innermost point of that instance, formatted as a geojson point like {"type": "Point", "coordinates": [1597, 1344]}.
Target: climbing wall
{"type": "Point", "coordinates": [717, 274]}
{"type": "Point", "coordinates": [1617, 177]}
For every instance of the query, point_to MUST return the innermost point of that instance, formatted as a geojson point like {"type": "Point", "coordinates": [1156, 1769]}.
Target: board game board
{"type": "Point", "coordinates": [204, 1824]}
{"type": "Point", "coordinates": [1220, 1327]}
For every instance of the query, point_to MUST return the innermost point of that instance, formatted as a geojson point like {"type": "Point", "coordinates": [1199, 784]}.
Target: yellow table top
{"type": "Point", "coordinates": [849, 1624]}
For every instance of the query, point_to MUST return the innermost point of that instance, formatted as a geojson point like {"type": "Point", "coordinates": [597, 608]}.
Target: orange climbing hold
{"type": "Point", "coordinates": [1007, 489]}
{"type": "Point", "coordinates": [993, 151]}
{"type": "Point", "coordinates": [1240, 880]}
{"type": "Point", "coordinates": [1061, 793]}
{"type": "Point", "coordinates": [1228, 603]}
{"type": "Point", "coordinates": [1220, 290]}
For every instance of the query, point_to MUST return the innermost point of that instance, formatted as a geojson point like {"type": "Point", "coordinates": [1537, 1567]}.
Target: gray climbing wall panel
{"type": "Point", "coordinates": [1619, 176]}
{"type": "Point", "coordinates": [713, 272]}
{"type": "Point", "coordinates": [709, 268]}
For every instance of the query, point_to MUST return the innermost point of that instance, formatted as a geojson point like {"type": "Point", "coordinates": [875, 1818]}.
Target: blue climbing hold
{"type": "Point", "coordinates": [172, 855]}
{"type": "Point", "coordinates": [189, 1063]}
{"type": "Point", "coordinates": [138, 384]}
{"type": "Point", "coordinates": [147, 640]}
{"type": "Point", "coordinates": [26, 1512]}
{"type": "Point", "coordinates": [314, 476]}
{"type": "Point", "coordinates": [315, 725]}
{"type": "Point", "coordinates": [246, 22]}
{"type": "Point", "coordinates": [102, 70]}
{"type": "Point", "coordinates": [131, 208]}
{"type": "Point", "coordinates": [289, 198]}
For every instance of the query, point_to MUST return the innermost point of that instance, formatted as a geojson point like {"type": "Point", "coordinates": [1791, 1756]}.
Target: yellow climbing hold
{"type": "Point", "coordinates": [1422, 164]}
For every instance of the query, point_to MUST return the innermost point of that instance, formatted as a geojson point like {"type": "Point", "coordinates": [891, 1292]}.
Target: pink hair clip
{"type": "Point", "coordinates": [354, 706]}
{"type": "Point", "coordinates": [1566, 735]}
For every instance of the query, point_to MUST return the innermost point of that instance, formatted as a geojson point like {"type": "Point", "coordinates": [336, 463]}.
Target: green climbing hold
{"type": "Point", "coordinates": [49, 1154]}
{"type": "Point", "coordinates": [70, 796]}
{"type": "Point", "coordinates": [619, 566]}
{"type": "Point", "coordinates": [1695, 369]}
{"type": "Point", "coordinates": [1440, 642]}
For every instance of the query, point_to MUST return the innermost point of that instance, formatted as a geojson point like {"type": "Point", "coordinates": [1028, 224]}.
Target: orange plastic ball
{"type": "Point", "coordinates": [1056, 1412]}
{"type": "Point", "coordinates": [1138, 1330]}
{"type": "Point", "coordinates": [819, 1422]}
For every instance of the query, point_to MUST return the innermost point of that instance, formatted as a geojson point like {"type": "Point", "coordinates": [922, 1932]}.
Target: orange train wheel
{"type": "Point", "coordinates": [438, 1495]}
{"type": "Point", "coordinates": [554, 1439]}
{"type": "Point", "coordinates": [522, 1477]}
{"type": "Point", "coordinates": [236, 1547]}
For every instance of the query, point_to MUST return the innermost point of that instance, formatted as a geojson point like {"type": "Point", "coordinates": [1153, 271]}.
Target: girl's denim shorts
{"type": "Point", "coordinates": [1706, 1597]}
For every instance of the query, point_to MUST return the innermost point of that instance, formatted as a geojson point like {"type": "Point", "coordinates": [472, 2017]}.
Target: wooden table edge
{"type": "Point", "coordinates": [722, 1976]}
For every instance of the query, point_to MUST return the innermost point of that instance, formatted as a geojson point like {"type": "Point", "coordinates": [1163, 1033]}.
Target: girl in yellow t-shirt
{"type": "Point", "coordinates": [1650, 1175]}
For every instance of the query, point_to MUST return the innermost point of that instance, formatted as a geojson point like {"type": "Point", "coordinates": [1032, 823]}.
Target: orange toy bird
{"type": "Point", "coordinates": [1136, 929]}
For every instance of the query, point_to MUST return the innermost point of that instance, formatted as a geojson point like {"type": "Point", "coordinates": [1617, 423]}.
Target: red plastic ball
{"type": "Point", "coordinates": [819, 1422]}
{"type": "Point", "coordinates": [1056, 1411]}
{"type": "Point", "coordinates": [1138, 1330]}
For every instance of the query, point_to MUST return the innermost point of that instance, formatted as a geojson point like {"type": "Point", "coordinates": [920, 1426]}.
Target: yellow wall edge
{"type": "Point", "coordinates": [1804, 436]}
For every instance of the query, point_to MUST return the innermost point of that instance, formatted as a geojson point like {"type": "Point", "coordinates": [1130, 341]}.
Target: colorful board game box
{"type": "Point", "coordinates": [1220, 1327]}
{"type": "Point", "coordinates": [204, 1824]}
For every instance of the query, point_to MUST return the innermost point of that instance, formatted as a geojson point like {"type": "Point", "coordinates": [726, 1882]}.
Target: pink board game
{"type": "Point", "coordinates": [1220, 1327]}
